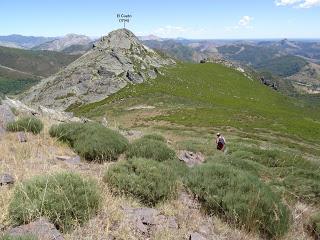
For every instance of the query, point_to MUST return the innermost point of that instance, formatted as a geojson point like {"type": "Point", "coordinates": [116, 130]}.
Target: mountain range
{"type": "Point", "coordinates": [291, 64]}
{"type": "Point", "coordinates": [64, 43]}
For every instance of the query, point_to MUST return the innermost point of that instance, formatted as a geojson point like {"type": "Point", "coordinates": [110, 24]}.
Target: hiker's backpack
{"type": "Point", "coordinates": [221, 141]}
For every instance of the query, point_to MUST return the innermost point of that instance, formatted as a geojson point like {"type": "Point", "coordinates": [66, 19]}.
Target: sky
{"type": "Point", "coordinates": [197, 19]}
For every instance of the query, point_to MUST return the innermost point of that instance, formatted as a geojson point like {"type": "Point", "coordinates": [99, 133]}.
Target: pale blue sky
{"type": "Point", "coordinates": [211, 19]}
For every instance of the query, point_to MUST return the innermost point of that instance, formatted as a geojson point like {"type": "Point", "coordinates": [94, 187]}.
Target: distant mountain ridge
{"type": "Point", "coordinates": [64, 43]}
{"type": "Point", "coordinates": [21, 41]}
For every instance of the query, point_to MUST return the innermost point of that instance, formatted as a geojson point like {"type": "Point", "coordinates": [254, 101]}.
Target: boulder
{"type": "Point", "coordinates": [146, 220]}
{"type": "Point", "coordinates": [196, 236]}
{"type": "Point", "coordinates": [134, 77]}
{"type": "Point", "coordinates": [132, 134]}
{"type": "Point", "coordinates": [6, 179]}
{"type": "Point", "coordinates": [42, 229]}
{"type": "Point", "coordinates": [190, 158]}
{"type": "Point", "coordinates": [70, 160]}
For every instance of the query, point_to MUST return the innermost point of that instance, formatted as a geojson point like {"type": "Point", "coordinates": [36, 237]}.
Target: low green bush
{"type": "Point", "coordinates": [241, 198]}
{"type": "Point", "coordinates": [151, 149]}
{"type": "Point", "coordinates": [27, 124]}
{"type": "Point", "coordinates": [156, 137]}
{"type": "Point", "coordinates": [91, 141]}
{"type": "Point", "coordinates": [148, 180]}
{"type": "Point", "coordinates": [25, 237]}
{"type": "Point", "coordinates": [66, 199]}
{"type": "Point", "coordinates": [303, 185]}
{"type": "Point", "coordinates": [315, 224]}
{"type": "Point", "coordinates": [241, 160]}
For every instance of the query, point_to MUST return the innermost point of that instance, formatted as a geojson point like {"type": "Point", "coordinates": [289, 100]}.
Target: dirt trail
{"type": "Point", "coordinates": [15, 70]}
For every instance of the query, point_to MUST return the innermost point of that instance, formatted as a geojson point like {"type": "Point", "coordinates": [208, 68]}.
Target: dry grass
{"type": "Point", "coordinates": [38, 156]}
{"type": "Point", "coordinates": [24, 160]}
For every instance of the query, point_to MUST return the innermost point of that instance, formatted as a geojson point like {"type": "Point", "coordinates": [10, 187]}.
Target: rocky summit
{"type": "Point", "coordinates": [116, 60]}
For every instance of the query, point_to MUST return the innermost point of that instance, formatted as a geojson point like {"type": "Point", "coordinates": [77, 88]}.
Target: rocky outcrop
{"type": "Point", "coordinates": [191, 159]}
{"type": "Point", "coordinates": [52, 114]}
{"type": "Point", "coordinates": [42, 229]}
{"type": "Point", "coordinates": [75, 160]}
{"type": "Point", "coordinates": [6, 116]}
{"type": "Point", "coordinates": [147, 220]}
{"type": "Point", "coordinates": [6, 179]}
{"type": "Point", "coordinates": [115, 61]}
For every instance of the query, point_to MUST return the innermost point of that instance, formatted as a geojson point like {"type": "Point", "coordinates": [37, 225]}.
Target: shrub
{"type": "Point", "coordinates": [149, 148]}
{"type": "Point", "coordinates": [305, 184]}
{"type": "Point", "coordinates": [156, 137]}
{"type": "Point", "coordinates": [25, 237]}
{"type": "Point", "coordinates": [66, 199]}
{"type": "Point", "coordinates": [27, 124]}
{"type": "Point", "coordinates": [148, 180]}
{"type": "Point", "coordinates": [239, 197]}
{"type": "Point", "coordinates": [315, 224]}
{"type": "Point", "coordinates": [239, 160]}
{"type": "Point", "coordinates": [91, 141]}
{"type": "Point", "coordinates": [299, 176]}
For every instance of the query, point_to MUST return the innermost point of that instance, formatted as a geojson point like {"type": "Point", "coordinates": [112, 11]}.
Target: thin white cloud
{"type": "Point", "coordinates": [244, 23]}
{"type": "Point", "coordinates": [286, 2]}
{"type": "Point", "coordinates": [177, 31]}
{"type": "Point", "coordinates": [309, 3]}
{"type": "Point", "coordinates": [298, 3]}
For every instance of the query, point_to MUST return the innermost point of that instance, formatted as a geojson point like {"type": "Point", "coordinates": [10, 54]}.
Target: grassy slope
{"type": "Point", "coordinates": [41, 63]}
{"type": "Point", "coordinates": [207, 98]}
{"type": "Point", "coordinates": [211, 95]}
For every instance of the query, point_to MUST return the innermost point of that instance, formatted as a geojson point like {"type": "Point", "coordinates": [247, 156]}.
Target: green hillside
{"type": "Point", "coordinates": [40, 63]}
{"type": "Point", "coordinates": [273, 142]}
{"type": "Point", "coordinates": [21, 69]}
{"type": "Point", "coordinates": [248, 54]}
{"type": "Point", "coordinates": [173, 49]}
{"type": "Point", "coordinates": [283, 66]}
{"type": "Point", "coordinates": [211, 95]}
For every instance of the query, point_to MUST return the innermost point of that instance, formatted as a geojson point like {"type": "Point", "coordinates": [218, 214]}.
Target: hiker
{"type": "Point", "coordinates": [221, 142]}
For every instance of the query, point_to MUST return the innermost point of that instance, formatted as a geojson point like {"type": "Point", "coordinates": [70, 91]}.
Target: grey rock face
{"type": "Point", "coordinates": [41, 228]}
{"type": "Point", "coordinates": [134, 77]}
{"type": "Point", "coordinates": [6, 116]}
{"type": "Point", "coordinates": [42, 111]}
{"type": "Point", "coordinates": [6, 179]}
{"type": "Point", "coordinates": [116, 60]}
